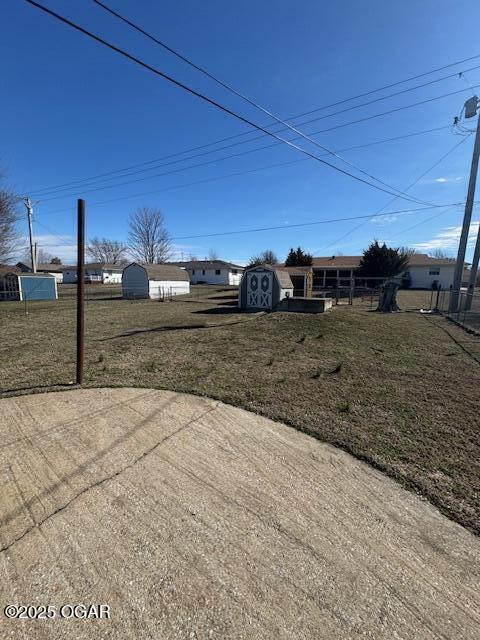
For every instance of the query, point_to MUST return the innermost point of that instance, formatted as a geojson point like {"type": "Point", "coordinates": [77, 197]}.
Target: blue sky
{"type": "Point", "coordinates": [75, 109]}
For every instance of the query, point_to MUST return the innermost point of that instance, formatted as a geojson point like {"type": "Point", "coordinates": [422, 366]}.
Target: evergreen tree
{"type": "Point", "coordinates": [379, 261]}
{"type": "Point", "coordinates": [298, 258]}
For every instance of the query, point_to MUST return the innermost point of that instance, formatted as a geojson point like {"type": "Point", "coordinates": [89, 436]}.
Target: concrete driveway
{"type": "Point", "coordinates": [192, 519]}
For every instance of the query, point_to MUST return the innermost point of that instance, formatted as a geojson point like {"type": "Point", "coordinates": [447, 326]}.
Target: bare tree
{"type": "Point", "coordinates": [148, 237]}
{"type": "Point", "coordinates": [9, 236]}
{"type": "Point", "coordinates": [213, 254]}
{"type": "Point", "coordinates": [43, 257]}
{"type": "Point", "coordinates": [265, 257]}
{"type": "Point", "coordinates": [407, 251]}
{"type": "Point", "coordinates": [105, 250]}
{"type": "Point", "coordinates": [192, 257]}
{"type": "Point", "coordinates": [441, 254]}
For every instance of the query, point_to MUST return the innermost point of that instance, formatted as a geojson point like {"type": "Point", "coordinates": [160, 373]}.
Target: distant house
{"type": "Point", "coordinates": [48, 268]}
{"type": "Point", "coordinates": [95, 272]}
{"type": "Point", "coordinates": [15, 285]}
{"type": "Point", "coordinates": [154, 281]}
{"type": "Point", "coordinates": [212, 271]}
{"type": "Point", "coordinates": [264, 287]}
{"type": "Point", "coordinates": [424, 272]}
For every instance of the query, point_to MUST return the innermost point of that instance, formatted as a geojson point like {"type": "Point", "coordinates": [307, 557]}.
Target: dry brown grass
{"type": "Point", "coordinates": [400, 390]}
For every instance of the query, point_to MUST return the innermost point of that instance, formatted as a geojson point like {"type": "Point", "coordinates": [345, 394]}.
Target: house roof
{"type": "Point", "coordinates": [94, 265]}
{"type": "Point", "coordinates": [282, 274]}
{"type": "Point", "coordinates": [337, 262]}
{"type": "Point", "coordinates": [163, 272]}
{"type": "Point", "coordinates": [421, 259]}
{"type": "Point", "coordinates": [207, 264]}
{"type": "Point", "coordinates": [47, 266]}
{"type": "Point", "coordinates": [353, 262]}
{"type": "Point", "coordinates": [8, 268]}
{"type": "Point", "coordinates": [300, 271]}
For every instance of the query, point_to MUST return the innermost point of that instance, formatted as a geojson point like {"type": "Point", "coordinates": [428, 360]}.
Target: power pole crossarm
{"type": "Point", "coordinates": [470, 110]}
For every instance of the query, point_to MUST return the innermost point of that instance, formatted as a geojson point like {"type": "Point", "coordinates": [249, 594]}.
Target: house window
{"type": "Point", "coordinates": [193, 272]}
{"type": "Point", "coordinates": [203, 272]}
{"type": "Point", "coordinates": [217, 272]}
{"type": "Point", "coordinates": [234, 271]}
{"type": "Point", "coordinates": [434, 271]}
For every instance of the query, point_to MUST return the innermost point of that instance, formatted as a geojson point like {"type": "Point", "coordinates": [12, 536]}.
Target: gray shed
{"type": "Point", "coordinates": [154, 281]}
{"type": "Point", "coordinates": [263, 287]}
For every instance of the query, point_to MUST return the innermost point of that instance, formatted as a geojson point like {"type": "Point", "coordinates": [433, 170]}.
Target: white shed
{"type": "Point", "coordinates": [154, 281]}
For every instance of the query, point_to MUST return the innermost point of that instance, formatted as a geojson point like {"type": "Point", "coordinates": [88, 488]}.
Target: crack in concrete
{"type": "Point", "coordinates": [143, 455]}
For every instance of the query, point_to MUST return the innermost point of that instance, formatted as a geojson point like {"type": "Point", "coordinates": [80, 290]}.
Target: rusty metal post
{"type": "Point", "coordinates": [80, 289]}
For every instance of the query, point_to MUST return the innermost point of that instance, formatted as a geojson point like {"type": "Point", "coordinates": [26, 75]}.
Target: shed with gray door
{"type": "Point", "coordinates": [263, 287]}
{"type": "Point", "coordinates": [154, 281]}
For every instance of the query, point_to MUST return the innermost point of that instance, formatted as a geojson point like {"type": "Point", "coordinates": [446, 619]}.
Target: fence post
{"type": "Point", "coordinates": [438, 296]}
{"type": "Point", "coordinates": [80, 289]}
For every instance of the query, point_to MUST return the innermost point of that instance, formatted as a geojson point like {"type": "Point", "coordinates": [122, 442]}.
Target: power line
{"type": "Point", "coordinates": [164, 173]}
{"type": "Point", "coordinates": [76, 184]}
{"type": "Point", "coordinates": [302, 224]}
{"type": "Point", "coordinates": [182, 186]}
{"type": "Point", "coordinates": [221, 159]}
{"type": "Point", "coordinates": [334, 104]}
{"type": "Point", "coordinates": [436, 163]}
{"type": "Point", "coordinates": [64, 186]}
{"type": "Point", "coordinates": [338, 126]}
{"type": "Point", "coordinates": [309, 224]}
{"type": "Point", "coordinates": [244, 97]}
{"type": "Point", "coordinates": [205, 98]}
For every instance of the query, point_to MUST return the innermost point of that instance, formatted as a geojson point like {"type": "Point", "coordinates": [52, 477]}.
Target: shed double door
{"type": "Point", "coordinates": [259, 290]}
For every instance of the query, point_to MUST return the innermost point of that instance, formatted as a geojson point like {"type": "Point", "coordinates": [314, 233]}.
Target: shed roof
{"type": "Point", "coordinates": [163, 272]}
{"type": "Point", "coordinates": [30, 274]}
{"type": "Point", "coordinates": [281, 272]}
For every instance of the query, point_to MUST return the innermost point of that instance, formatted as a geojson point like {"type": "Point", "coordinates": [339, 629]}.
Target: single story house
{"type": "Point", "coordinates": [264, 287]}
{"type": "Point", "coordinates": [154, 281]}
{"type": "Point", "coordinates": [212, 271]}
{"type": "Point", "coordinates": [424, 272]}
{"type": "Point", "coordinates": [48, 268]}
{"type": "Point", "coordinates": [15, 285]}
{"type": "Point", "coordinates": [95, 272]}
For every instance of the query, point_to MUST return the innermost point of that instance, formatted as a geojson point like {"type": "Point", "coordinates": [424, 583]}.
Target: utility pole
{"type": "Point", "coordinates": [471, 106]}
{"type": "Point", "coordinates": [80, 288]}
{"type": "Point", "coordinates": [28, 205]}
{"type": "Point", "coordinates": [476, 255]}
{"type": "Point", "coordinates": [473, 273]}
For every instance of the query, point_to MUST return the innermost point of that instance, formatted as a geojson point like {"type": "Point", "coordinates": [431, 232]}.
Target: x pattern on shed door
{"type": "Point", "coordinates": [259, 290]}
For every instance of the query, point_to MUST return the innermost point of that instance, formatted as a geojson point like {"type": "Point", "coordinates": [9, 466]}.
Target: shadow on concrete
{"type": "Point", "coordinates": [38, 387]}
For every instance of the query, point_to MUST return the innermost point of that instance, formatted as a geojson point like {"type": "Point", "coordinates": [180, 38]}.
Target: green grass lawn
{"type": "Point", "coordinates": [399, 390]}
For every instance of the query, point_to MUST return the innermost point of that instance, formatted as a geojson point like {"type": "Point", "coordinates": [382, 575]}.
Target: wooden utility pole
{"type": "Point", "coordinates": [470, 111]}
{"type": "Point", "coordinates": [28, 206]}
{"type": "Point", "coordinates": [80, 289]}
